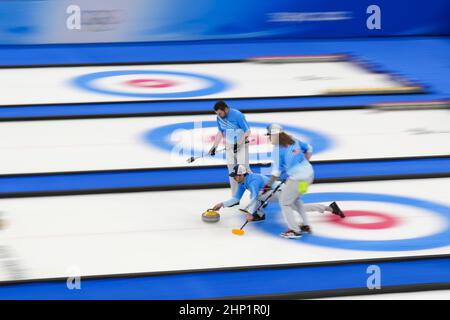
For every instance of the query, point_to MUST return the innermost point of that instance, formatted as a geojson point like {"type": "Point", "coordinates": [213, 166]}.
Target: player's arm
{"type": "Point", "coordinates": [307, 150]}
{"type": "Point", "coordinates": [217, 140]}
{"type": "Point", "coordinates": [271, 181]}
{"type": "Point", "coordinates": [254, 194]}
{"type": "Point", "coordinates": [308, 155]}
{"type": "Point", "coordinates": [276, 170]}
{"type": "Point", "coordinates": [245, 127]}
{"type": "Point", "coordinates": [233, 201]}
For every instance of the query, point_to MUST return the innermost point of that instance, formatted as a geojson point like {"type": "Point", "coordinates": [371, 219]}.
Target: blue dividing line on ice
{"type": "Point", "coordinates": [186, 107]}
{"type": "Point", "coordinates": [160, 178]}
{"type": "Point", "coordinates": [217, 284]}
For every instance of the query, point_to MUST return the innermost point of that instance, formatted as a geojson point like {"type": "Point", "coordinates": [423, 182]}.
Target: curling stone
{"type": "Point", "coordinates": [210, 216]}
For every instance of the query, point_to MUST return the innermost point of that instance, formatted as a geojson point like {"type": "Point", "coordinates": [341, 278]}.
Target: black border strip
{"type": "Point", "coordinates": [422, 91]}
{"type": "Point", "coordinates": [236, 269]}
{"type": "Point", "coordinates": [346, 292]}
{"type": "Point", "coordinates": [346, 58]}
{"type": "Point", "coordinates": [118, 64]}
{"type": "Point", "coordinates": [200, 167]}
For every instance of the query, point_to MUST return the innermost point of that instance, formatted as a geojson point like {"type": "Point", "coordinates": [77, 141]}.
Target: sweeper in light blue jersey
{"type": "Point", "coordinates": [259, 186]}
{"type": "Point", "coordinates": [291, 162]}
{"type": "Point", "coordinates": [232, 126]}
{"type": "Point", "coordinates": [252, 182]}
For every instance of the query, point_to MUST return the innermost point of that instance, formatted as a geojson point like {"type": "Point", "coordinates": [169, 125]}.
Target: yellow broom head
{"type": "Point", "coordinates": [238, 232]}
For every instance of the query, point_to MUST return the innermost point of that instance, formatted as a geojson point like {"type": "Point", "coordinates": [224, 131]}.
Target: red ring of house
{"type": "Point", "coordinates": [151, 83]}
{"type": "Point", "coordinates": [384, 221]}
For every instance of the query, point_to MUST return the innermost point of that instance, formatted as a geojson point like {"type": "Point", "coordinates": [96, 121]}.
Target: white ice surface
{"type": "Point", "coordinates": [102, 144]}
{"type": "Point", "coordinates": [420, 295]}
{"type": "Point", "coordinates": [55, 85]}
{"type": "Point", "coordinates": [162, 231]}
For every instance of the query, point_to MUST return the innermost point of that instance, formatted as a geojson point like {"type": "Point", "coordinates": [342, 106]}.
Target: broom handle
{"type": "Point", "coordinates": [243, 226]}
{"type": "Point", "coordinates": [273, 192]}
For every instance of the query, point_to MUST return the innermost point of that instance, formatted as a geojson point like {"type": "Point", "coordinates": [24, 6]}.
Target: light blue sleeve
{"type": "Point", "coordinates": [306, 147]}
{"type": "Point", "coordinates": [275, 184]}
{"type": "Point", "coordinates": [236, 197]}
{"type": "Point", "coordinates": [242, 122]}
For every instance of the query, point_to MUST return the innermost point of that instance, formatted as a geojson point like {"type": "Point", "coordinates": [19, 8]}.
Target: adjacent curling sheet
{"type": "Point", "coordinates": [162, 231]}
{"type": "Point", "coordinates": [192, 81]}
{"type": "Point", "coordinates": [155, 142]}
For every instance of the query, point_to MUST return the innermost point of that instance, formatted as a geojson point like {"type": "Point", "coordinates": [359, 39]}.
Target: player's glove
{"type": "Point", "coordinates": [235, 148]}
{"type": "Point", "coordinates": [212, 151]}
{"type": "Point", "coordinates": [266, 188]}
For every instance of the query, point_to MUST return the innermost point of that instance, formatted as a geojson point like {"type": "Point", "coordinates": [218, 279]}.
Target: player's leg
{"type": "Point", "coordinates": [266, 198]}
{"type": "Point", "coordinates": [301, 209]}
{"type": "Point", "coordinates": [255, 211]}
{"type": "Point", "coordinates": [259, 215]}
{"type": "Point", "coordinates": [244, 156]}
{"type": "Point", "coordinates": [333, 208]}
{"type": "Point", "coordinates": [302, 188]}
{"type": "Point", "coordinates": [288, 198]}
{"type": "Point", "coordinates": [316, 207]}
{"type": "Point", "coordinates": [231, 163]}
{"type": "Point", "coordinates": [336, 210]}
{"type": "Point", "coordinates": [233, 159]}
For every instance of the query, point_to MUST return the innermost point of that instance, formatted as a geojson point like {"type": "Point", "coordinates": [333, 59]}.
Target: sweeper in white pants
{"type": "Point", "coordinates": [291, 158]}
{"type": "Point", "coordinates": [301, 207]}
{"type": "Point", "coordinates": [254, 183]}
{"type": "Point", "coordinates": [232, 126]}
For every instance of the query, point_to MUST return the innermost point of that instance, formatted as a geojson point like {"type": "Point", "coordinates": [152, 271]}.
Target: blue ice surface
{"type": "Point", "coordinates": [219, 284]}
{"type": "Point", "coordinates": [207, 175]}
